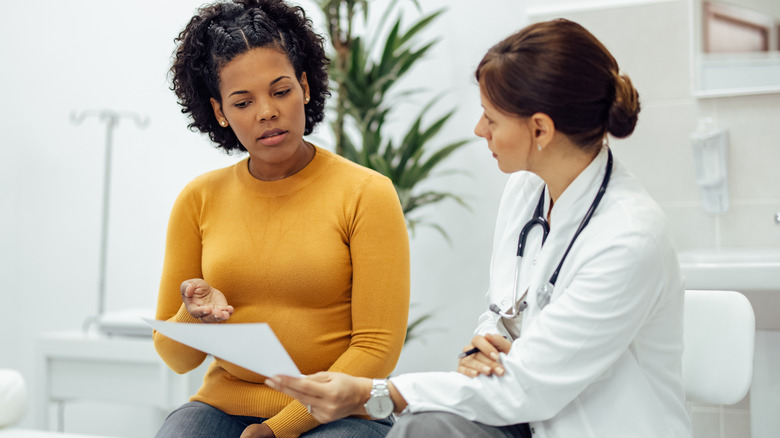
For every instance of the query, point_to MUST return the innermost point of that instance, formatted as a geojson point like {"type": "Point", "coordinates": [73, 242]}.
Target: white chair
{"type": "Point", "coordinates": [13, 397]}
{"type": "Point", "coordinates": [719, 334]}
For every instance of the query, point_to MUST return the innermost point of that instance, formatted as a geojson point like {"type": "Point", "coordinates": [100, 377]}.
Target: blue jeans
{"type": "Point", "coordinates": [199, 420]}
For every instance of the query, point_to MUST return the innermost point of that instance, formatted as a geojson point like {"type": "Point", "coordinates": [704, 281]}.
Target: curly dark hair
{"type": "Point", "coordinates": [221, 31]}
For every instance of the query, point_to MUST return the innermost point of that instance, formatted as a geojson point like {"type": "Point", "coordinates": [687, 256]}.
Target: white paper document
{"type": "Point", "coordinates": [252, 346]}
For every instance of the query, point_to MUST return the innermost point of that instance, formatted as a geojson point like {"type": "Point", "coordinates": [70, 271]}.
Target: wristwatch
{"type": "Point", "coordinates": [379, 404]}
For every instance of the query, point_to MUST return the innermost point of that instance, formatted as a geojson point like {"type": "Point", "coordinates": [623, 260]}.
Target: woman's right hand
{"type": "Point", "coordinates": [205, 302]}
{"type": "Point", "coordinates": [486, 361]}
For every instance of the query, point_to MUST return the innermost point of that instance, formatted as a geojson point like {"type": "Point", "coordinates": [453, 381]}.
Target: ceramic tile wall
{"type": "Point", "coordinates": [754, 174]}
{"type": "Point", "coordinates": [657, 62]}
{"type": "Point", "coordinates": [659, 152]}
{"type": "Point", "coordinates": [716, 421]}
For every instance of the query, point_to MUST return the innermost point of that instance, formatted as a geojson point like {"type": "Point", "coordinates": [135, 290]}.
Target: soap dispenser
{"type": "Point", "coordinates": [710, 147]}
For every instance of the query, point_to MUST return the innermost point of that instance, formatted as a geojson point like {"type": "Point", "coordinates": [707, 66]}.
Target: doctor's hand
{"type": "Point", "coordinates": [486, 361]}
{"type": "Point", "coordinates": [205, 302]}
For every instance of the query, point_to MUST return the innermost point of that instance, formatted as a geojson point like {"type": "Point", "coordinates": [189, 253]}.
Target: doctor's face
{"type": "Point", "coordinates": [509, 137]}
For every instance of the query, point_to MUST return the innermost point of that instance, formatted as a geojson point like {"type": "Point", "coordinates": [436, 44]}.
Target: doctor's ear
{"type": "Point", "coordinates": [543, 128]}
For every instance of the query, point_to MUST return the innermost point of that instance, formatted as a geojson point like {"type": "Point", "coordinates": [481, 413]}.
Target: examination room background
{"type": "Point", "coordinates": [60, 57]}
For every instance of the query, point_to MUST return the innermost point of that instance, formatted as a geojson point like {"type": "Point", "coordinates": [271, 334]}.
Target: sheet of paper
{"type": "Point", "coordinates": [264, 354]}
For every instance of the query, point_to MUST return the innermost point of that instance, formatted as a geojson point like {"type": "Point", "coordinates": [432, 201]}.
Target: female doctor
{"type": "Point", "coordinates": [583, 332]}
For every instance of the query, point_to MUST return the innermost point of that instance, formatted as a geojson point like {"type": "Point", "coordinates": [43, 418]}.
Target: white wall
{"type": "Point", "coordinates": [94, 54]}
{"type": "Point", "coordinates": [65, 56]}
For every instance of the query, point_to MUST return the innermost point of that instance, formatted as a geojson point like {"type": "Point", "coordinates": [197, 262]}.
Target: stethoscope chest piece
{"type": "Point", "coordinates": [543, 295]}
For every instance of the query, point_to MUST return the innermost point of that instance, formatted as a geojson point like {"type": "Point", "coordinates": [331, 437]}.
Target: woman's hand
{"type": "Point", "coordinates": [205, 302]}
{"type": "Point", "coordinates": [329, 396]}
{"type": "Point", "coordinates": [486, 360]}
{"type": "Point", "coordinates": [260, 430]}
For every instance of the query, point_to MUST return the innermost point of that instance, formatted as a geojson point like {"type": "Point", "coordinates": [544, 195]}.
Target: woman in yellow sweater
{"type": "Point", "coordinates": [293, 235]}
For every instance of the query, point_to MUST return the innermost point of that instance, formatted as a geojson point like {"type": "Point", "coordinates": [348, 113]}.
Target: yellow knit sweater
{"type": "Point", "coordinates": [321, 256]}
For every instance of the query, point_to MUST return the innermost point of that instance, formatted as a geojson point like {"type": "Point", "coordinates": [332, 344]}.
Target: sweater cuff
{"type": "Point", "coordinates": [292, 421]}
{"type": "Point", "coordinates": [184, 316]}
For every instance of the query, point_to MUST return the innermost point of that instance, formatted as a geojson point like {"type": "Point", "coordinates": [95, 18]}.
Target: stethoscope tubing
{"type": "Point", "coordinates": [588, 215]}
{"type": "Point", "coordinates": [538, 219]}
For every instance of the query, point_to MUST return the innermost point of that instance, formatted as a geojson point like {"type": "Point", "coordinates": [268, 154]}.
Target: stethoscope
{"type": "Point", "coordinates": [545, 291]}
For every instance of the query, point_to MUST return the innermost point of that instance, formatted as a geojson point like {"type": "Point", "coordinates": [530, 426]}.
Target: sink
{"type": "Point", "coordinates": [755, 272]}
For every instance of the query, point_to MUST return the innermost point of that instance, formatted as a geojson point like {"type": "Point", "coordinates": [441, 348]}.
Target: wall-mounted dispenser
{"type": "Point", "coordinates": [710, 147]}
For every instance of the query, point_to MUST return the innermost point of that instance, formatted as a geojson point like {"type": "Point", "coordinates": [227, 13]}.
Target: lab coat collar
{"type": "Point", "coordinates": [578, 195]}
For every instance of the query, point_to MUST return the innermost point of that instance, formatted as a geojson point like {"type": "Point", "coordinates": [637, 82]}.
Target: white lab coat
{"type": "Point", "coordinates": [603, 358]}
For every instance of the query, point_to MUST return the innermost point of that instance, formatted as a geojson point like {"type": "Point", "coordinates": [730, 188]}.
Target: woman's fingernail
{"type": "Point", "coordinates": [270, 383]}
{"type": "Point", "coordinates": [486, 369]}
{"type": "Point", "coordinates": [500, 371]}
{"type": "Point", "coordinates": [494, 356]}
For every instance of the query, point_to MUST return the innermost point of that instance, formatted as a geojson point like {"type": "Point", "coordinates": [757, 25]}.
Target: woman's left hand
{"type": "Point", "coordinates": [329, 396]}
{"type": "Point", "coordinates": [261, 430]}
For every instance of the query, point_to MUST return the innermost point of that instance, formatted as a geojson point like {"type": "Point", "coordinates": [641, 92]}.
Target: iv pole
{"type": "Point", "coordinates": [111, 119]}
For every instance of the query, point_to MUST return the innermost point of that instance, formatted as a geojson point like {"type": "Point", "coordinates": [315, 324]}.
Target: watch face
{"type": "Point", "coordinates": [379, 406]}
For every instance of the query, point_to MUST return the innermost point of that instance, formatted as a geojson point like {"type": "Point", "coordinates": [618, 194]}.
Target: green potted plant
{"type": "Point", "coordinates": [365, 87]}
{"type": "Point", "coordinates": [366, 93]}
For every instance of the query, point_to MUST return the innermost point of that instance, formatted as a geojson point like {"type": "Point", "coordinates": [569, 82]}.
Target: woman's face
{"type": "Point", "coordinates": [263, 102]}
{"type": "Point", "coordinates": [509, 137]}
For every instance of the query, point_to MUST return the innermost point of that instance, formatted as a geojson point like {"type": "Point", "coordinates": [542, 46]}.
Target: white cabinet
{"type": "Point", "coordinates": [89, 366]}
